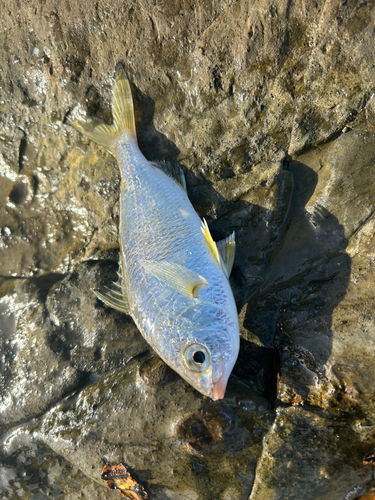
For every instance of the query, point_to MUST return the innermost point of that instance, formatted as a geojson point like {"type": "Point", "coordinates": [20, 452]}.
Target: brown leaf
{"type": "Point", "coordinates": [117, 477]}
{"type": "Point", "coordinates": [369, 458]}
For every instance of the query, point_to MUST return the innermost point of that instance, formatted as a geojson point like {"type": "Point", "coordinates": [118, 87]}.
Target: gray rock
{"type": "Point", "coordinates": [324, 313]}
{"type": "Point", "coordinates": [30, 469]}
{"type": "Point", "coordinates": [306, 455]}
{"type": "Point", "coordinates": [269, 106]}
{"type": "Point", "coordinates": [55, 342]}
{"type": "Point", "coordinates": [178, 442]}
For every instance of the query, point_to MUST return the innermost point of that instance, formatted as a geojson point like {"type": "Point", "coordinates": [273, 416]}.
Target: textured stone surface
{"type": "Point", "coordinates": [340, 282]}
{"type": "Point", "coordinates": [306, 455]}
{"type": "Point", "coordinates": [58, 341]}
{"type": "Point", "coordinates": [269, 107]}
{"type": "Point", "coordinates": [30, 469]}
{"type": "Point", "coordinates": [175, 440]}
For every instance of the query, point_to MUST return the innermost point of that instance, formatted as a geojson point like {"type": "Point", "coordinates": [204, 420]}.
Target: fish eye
{"type": "Point", "coordinates": [197, 357]}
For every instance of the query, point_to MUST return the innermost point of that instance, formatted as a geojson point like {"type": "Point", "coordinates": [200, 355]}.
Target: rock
{"type": "Point", "coordinates": [269, 107]}
{"type": "Point", "coordinates": [320, 321]}
{"type": "Point", "coordinates": [99, 387]}
{"type": "Point", "coordinates": [29, 468]}
{"type": "Point", "coordinates": [306, 455]}
{"type": "Point", "coordinates": [177, 441]}
{"type": "Point", "coordinates": [326, 300]}
{"type": "Point", "coordinates": [153, 370]}
{"type": "Point", "coordinates": [55, 343]}
{"type": "Point", "coordinates": [201, 429]}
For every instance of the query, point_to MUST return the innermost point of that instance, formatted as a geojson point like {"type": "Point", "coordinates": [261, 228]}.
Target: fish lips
{"type": "Point", "coordinates": [218, 390]}
{"type": "Point", "coordinates": [219, 380]}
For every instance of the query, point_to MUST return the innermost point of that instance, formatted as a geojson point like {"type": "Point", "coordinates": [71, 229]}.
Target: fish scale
{"type": "Point", "coordinates": [173, 276]}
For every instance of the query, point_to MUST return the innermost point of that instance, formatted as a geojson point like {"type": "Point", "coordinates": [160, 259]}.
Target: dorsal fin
{"type": "Point", "coordinates": [173, 169]}
{"type": "Point", "coordinates": [210, 244]}
{"type": "Point", "coordinates": [223, 251]}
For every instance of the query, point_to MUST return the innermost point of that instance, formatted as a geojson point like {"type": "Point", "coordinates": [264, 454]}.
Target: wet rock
{"type": "Point", "coordinates": [126, 421]}
{"type": "Point", "coordinates": [85, 331]}
{"type": "Point", "coordinates": [278, 77]}
{"type": "Point", "coordinates": [30, 468]}
{"type": "Point", "coordinates": [302, 380]}
{"type": "Point", "coordinates": [201, 429]}
{"type": "Point", "coordinates": [270, 108]}
{"type": "Point", "coordinates": [320, 308]}
{"type": "Point", "coordinates": [53, 343]}
{"type": "Point", "coordinates": [52, 214]}
{"type": "Point", "coordinates": [256, 208]}
{"type": "Point", "coordinates": [153, 370]}
{"type": "Point", "coordinates": [306, 455]}
{"type": "Point", "coordinates": [135, 411]}
{"type": "Point", "coordinates": [32, 376]}
{"type": "Point", "coordinates": [258, 366]}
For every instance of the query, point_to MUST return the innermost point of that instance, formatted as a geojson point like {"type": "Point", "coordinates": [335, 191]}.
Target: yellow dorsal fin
{"type": "Point", "coordinates": [123, 116]}
{"type": "Point", "coordinates": [211, 245]}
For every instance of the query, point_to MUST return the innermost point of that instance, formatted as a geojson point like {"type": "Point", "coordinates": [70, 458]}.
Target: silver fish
{"type": "Point", "coordinates": [173, 278]}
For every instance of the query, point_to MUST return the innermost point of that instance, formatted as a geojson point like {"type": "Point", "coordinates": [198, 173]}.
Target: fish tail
{"type": "Point", "coordinates": [123, 116]}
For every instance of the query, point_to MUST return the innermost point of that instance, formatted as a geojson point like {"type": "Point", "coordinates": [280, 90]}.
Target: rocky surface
{"type": "Point", "coordinates": [269, 106]}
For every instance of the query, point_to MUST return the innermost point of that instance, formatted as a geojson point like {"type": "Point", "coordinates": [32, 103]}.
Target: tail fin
{"type": "Point", "coordinates": [123, 116]}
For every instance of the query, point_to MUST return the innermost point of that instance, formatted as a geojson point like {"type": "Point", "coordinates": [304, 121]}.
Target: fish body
{"type": "Point", "coordinates": [173, 278]}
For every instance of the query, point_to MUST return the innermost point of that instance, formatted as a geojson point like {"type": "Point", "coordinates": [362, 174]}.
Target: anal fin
{"type": "Point", "coordinates": [111, 299]}
{"type": "Point", "coordinates": [116, 296]}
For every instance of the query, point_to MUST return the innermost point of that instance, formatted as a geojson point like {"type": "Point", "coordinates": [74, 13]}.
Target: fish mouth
{"type": "Point", "coordinates": [218, 390]}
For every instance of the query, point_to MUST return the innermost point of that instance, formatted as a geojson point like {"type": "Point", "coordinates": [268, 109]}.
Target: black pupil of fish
{"type": "Point", "coordinates": [199, 357]}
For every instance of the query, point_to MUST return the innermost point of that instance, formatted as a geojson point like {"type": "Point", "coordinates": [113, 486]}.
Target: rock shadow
{"type": "Point", "coordinates": [306, 276]}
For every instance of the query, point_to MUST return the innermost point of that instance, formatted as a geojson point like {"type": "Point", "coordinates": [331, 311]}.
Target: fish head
{"type": "Point", "coordinates": [208, 360]}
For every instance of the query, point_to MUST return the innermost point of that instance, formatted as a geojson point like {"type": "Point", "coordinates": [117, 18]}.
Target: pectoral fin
{"type": "Point", "coordinates": [227, 248]}
{"type": "Point", "coordinates": [176, 276]}
{"type": "Point", "coordinates": [116, 296]}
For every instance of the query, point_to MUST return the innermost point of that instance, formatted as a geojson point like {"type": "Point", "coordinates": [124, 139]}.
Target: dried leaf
{"type": "Point", "coordinates": [370, 495]}
{"type": "Point", "coordinates": [117, 477]}
{"type": "Point", "coordinates": [369, 458]}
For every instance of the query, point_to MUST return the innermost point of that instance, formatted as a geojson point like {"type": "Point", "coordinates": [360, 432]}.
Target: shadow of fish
{"type": "Point", "coordinates": [173, 278]}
